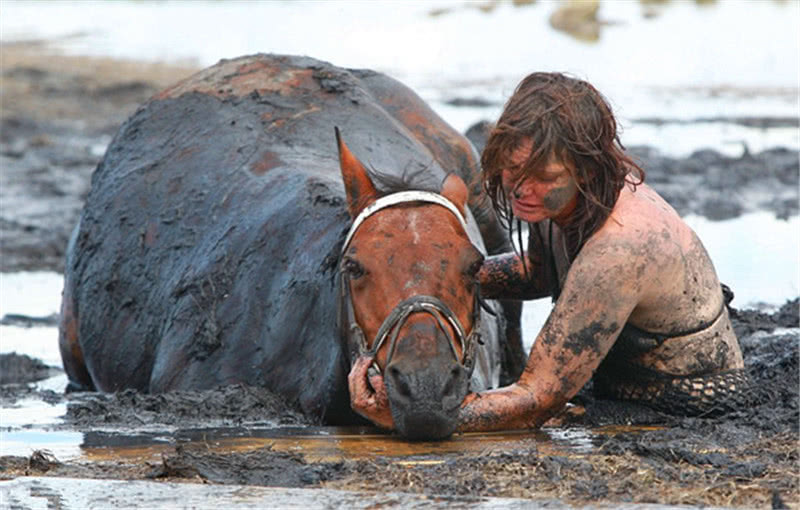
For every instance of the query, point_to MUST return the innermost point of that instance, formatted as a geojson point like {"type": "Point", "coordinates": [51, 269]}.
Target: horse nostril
{"type": "Point", "coordinates": [399, 381]}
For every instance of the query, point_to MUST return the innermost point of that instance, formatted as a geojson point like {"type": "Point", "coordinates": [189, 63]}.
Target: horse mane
{"type": "Point", "coordinates": [411, 179]}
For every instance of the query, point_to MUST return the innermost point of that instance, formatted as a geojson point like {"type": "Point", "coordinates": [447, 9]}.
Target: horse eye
{"type": "Point", "coordinates": [353, 268]}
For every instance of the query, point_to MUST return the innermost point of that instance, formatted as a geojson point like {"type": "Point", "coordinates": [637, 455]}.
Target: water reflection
{"type": "Point", "coordinates": [333, 444]}
{"type": "Point", "coordinates": [63, 445]}
{"type": "Point", "coordinates": [31, 411]}
{"type": "Point", "coordinates": [315, 444]}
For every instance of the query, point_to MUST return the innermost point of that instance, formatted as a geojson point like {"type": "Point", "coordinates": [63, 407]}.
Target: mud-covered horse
{"type": "Point", "coordinates": [210, 248]}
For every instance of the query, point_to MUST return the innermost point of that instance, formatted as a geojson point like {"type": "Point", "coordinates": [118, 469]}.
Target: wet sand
{"type": "Point", "coordinates": [59, 113]}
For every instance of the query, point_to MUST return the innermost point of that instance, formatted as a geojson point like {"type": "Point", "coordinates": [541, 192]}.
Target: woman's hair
{"type": "Point", "coordinates": [570, 120]}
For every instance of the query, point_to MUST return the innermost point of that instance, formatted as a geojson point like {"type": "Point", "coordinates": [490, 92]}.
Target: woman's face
{"type": "Point", "coordinates": [550, 192]}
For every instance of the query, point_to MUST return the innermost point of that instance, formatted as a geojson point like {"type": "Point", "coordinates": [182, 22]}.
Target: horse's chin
{"type": "Point", "coordinates": [425, 405]}
{"type": "Point", "coordinates": [425, 425]}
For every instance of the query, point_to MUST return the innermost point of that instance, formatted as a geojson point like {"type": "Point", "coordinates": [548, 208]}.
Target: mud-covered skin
{"type": "Point", "coordinates": [207, 250]}
{"type": "Point", "coordinates": [559, 198]}
{"type": "Point", "coordinates": [551, 192]}
{"type": "Point", "coordinates": [645, 267]}
{"type": "Point", "coordinates": [504, 275]}
{"type": "Point", "coordinates": [709, 351]}
{"type": "Point", "coordinates": [691, 374]}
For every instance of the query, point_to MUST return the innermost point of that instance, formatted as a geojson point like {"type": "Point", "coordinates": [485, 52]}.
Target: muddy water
{"type": "Point", "coordinates": [313, 444]}
{"type": "Point", "coordinates": [234, 437]}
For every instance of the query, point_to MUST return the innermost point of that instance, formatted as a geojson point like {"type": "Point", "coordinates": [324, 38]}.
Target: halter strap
{"type": "Point", "coordinates": [399, 198]}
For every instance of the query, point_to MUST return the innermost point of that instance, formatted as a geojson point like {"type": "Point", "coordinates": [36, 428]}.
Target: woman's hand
{"type": "Point", "coordinates": [369, 399]}
{"type": "Point", "coordinates": [512, 407]}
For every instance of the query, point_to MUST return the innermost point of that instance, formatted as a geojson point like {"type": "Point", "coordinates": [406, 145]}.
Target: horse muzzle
{"type": "Point", "coordinates": [425, 392]}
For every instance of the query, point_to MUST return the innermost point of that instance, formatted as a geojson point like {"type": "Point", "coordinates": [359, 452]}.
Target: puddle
{"type": "Point", "coordinates": [28, 412]}
{"type": "Point", "coordinates": [36, 342]}
{"type": "Point", "coordinates": [34, 293]}
{"type": "Point", "coordinates": [314, 444]}
{"type": "Point", "coordinates": [22, 443]}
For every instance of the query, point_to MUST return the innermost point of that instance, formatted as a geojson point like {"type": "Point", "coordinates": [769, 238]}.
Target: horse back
{"type": "Point", "coordinates": [206, 252]}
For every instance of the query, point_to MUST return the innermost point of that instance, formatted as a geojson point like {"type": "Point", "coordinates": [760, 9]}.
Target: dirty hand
{"type": "Point", "coordinates": [369, 399]}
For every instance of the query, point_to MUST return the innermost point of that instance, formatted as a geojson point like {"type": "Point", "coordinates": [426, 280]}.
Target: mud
{"type": "Point", "coordinates": [226, 406]}
{"type": "Point", "coordinates": [57, 114]}
{"type": "Point", "coordinates": [18, 368]}
{"type": "Point", "coordinates": [57, 117]}
{"type": "Point", "coordinates": [636, 455]}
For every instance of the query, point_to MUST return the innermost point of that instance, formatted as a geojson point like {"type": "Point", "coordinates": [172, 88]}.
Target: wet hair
{"type": "Point", "coordinates": [568, 119]}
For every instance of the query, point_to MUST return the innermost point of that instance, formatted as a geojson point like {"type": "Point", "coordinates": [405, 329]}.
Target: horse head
{"type": "Point", "coordinates": [409, 296]}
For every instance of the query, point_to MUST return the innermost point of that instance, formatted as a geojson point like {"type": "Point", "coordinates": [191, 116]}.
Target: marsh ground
{"type": "Point", "coordinates": [59, 113]}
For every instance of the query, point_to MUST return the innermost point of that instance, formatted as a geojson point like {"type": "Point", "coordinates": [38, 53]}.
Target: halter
{"type": "Point", "coordinates": [352, 333]}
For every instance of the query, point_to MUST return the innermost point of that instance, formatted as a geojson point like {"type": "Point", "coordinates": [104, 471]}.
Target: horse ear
{"type": "Point", "coordinates": [357, 183]}
{"type": "Point", "coordinates": [454, 189]}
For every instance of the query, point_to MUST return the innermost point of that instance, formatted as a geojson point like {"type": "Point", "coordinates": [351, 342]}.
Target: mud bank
{"type": "Point", "coordinates": [57, 114]}
{"type": "Point", "coordinates": [16, 368]}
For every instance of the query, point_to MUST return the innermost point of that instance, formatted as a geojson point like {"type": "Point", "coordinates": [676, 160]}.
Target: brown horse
{"type": "Point", "coordinates": [408, 284]}
{"type": "Point", "coordinates": [215, 247]}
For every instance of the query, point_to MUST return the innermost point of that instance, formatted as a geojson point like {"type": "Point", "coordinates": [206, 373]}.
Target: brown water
{"type": "Point", "coordinates": [323, 444]}
{"type": "Point", "coordinates": [314, 444]}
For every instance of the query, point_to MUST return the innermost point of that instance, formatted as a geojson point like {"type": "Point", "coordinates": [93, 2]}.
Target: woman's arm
{"type": "Point", "coordinates": [504, 277]}
{"type": "Point", "coordinates": [602, 287]}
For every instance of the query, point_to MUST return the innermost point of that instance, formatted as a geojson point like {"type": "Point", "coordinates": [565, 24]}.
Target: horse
{"type": "Point", "coordinates": [230, 235]}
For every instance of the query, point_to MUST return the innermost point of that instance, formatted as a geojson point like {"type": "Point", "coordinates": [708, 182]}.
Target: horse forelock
{"type": "Point", "coordinates": [414, 177]}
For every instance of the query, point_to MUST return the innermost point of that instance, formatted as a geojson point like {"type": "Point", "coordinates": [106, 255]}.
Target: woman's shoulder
{"type": "Point", "coordinates": [645, 203]}
{"type": "Point", "coordinates": [643, 224]}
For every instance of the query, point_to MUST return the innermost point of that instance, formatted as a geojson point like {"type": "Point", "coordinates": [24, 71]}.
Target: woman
{"type": "Point", "coordinates": [637, 301]}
